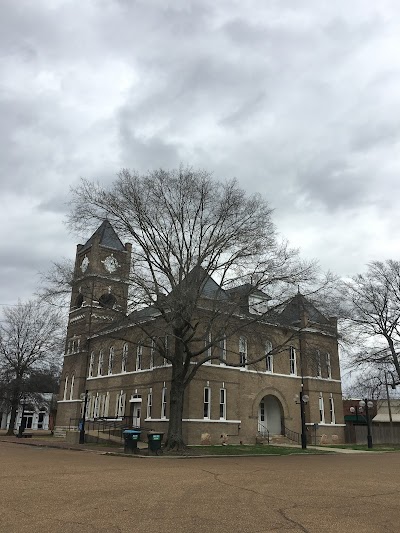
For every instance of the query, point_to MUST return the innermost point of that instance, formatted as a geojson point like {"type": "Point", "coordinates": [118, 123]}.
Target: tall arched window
{"type": "Point", "coordinates": [100, 363]}
{"type": "Point", "coordinates": [65, 387]}
{"type": "Point", "coordinates": [111, 360]}
{"type": "Point", "coordinates": [243, 351]}
{"type": "Point", "coordinates": [139, 354]}
{"type": "Point", "coordinates": [91, 365]}
{"type": "Point", "coordinates": [124, 357]}
{"type": "Point", "coordinates": [269, 358]}
{"type": "Point", "coordinates": [71, 392]}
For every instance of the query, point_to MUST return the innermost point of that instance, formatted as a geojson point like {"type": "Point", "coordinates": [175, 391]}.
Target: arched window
{"type": "Point", "coordinates": [292, 360]}
{"type": "Point", "coordinates": [100, 363]}
{"type": "Point", "coordinates": [269, 358]}
{"type": "Point", "coordinates": [222, 351]}
{"type": "Point", "coordinates": [124, 357]}
{"type": "Point", "coordinates": [139, 354]}
{"type": "Point", "coordinates": [71, 392]}
{"type": "Point", "coordinates": [111, 360]}
{"type": "Point", "coordinates": [242, 351]}
{"type": "Point", "coordinates": [65, 387]}
{"type": "Point", "coordinates": [91, 365]}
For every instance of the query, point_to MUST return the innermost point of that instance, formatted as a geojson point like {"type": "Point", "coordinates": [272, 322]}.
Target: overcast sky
{"type": "Point", "coordinates": [297, 99]}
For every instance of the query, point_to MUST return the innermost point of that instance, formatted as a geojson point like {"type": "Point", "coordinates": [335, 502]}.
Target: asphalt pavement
{"type": "Point", "coordinates": [58, 490]}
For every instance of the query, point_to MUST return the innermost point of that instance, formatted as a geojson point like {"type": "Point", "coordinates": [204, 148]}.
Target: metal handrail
{"type": "Point", "coordinates": [103, 425]}
{"type": "Point", "coordinates": [292, 435]}
{"type": "Point", "coordinates": [264, 431]}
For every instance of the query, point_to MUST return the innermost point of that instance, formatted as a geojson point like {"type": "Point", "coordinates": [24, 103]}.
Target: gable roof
{"type": "Point", "coordinates": [107, 237]}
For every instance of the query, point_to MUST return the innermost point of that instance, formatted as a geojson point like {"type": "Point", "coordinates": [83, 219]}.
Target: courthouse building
{"type": "Point", "coordinates": [295, 346]}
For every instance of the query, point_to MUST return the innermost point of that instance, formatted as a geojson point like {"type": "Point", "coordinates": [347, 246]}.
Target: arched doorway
{"type": "Point", "coordinates": [270, 416]}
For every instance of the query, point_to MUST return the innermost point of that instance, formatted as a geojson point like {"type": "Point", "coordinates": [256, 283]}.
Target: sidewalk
{"type": "Point", "coordinates": [324, 448]}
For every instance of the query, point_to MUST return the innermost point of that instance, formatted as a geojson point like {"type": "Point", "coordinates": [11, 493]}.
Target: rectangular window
{"type": "Point", "coordinates": [242, 351]}
{"type": "Point", "coordinates": [164, 402]}
{"type": "Point", "coordinates": [124, 358]}
{"type": "Point", "coordinates": [222, 351]}
{"type": "Point", "coordinates": [269, 358]}
{"type": "Point", "coordinates": [328, 366]}
{"type": "Point", "coordinates": [207, 402]}
{"type": "Point", "coordinates": [96, 407]}
{"type": "Point", "coordinates": [332, 409]}
{"type": "Point", "coordinates": [107, 404]}
{"type": "Point", "coordinates": [111, 360]}
{"type": "Point", "coordinates": [321, 408]}
{"type": "Point", "coordinates": [149, 402]}
{"type": "Point", "coordinates": [120, 405]}
{"type": "Point", "coordinates": [91, 365]}
{"type": "Point", "coordinates": [139, 354]}
{"type": "Point", "coordinates": [100, 364]}
{"type": "Point", "coordinates": [292, 360]}
{"type": "Point", "coordinates": [222, 404]}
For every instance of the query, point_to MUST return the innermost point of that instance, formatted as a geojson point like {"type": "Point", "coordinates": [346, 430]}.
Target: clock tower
{"type": "Point", "coordinates": [99, 297]}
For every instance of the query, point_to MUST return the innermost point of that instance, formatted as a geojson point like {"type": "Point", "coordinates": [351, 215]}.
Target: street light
{"type": "Point", "coordinates": [302, 400]}
{"type": "Point", "coordinates": [21, 428]}
{"type": "Point", "coordinates": [367, 404]}
{"type": "Point", "coordinates": [84, 398]}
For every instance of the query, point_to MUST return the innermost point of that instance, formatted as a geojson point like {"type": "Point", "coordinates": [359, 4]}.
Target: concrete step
{"type": "Point", "coordinates": [273, 439]}
{"type": "Point", "coordinates": [60, 432]}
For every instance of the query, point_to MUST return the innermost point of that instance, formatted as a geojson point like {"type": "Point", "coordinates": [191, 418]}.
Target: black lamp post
{"type": "Point", "coordinates": [22, 424]}
{"type": "Point", "coordinates": [367, 404]}
{"type": "Point", "coordinates": [302, 400]}
{"type": "Point", "coordinates": [83, 420]}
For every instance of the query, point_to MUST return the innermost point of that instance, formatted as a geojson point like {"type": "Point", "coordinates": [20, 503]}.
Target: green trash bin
{"type": "Point", "coordinates": [155, 440]}
{"type": "Point", "coordinates": [131, 437]}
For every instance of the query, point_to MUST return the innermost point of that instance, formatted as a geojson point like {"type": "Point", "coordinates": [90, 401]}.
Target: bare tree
{"type": "Point", "coordinates": [374, 315]}
{"type": "Point", "coordinates": [185, 227]}
{"type": "Point", "coordinates": [30, 343]}
{"type": "Point", "coordinates": [56, 283]}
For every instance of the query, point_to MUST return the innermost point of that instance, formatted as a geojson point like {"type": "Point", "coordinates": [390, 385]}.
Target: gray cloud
{"type": "Point", "coordinates": [297, 101]}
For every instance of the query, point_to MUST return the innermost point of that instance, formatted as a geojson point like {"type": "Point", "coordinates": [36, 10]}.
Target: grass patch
{"type": "Point", "coordinates": [258, 449]}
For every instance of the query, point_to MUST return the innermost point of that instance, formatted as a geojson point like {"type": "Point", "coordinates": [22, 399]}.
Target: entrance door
{"type": "Point", "coordinates": [270, 416]}
{"type": "Point", "coordinates": [136, 411]}
{"type": "Point", "coordinates": [27, 420]}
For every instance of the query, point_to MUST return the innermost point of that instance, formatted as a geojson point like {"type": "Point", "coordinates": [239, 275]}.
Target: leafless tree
{"type": "Point", "coordinates": [30, 343]}
{"type": "Point", "coordinates": [56, 283]}
{"type": "Point", "coordinates": [374, 315]}
{"type": "Point", "coordinates": [184, 227]}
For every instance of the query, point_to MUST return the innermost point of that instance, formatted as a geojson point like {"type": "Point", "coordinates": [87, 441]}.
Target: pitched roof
{"type": "Point", "coordinates": [107, 237]}
{"type": "Point", "coordinates": [293, 310]}
{"type": "Point", "coordinates": [247, 290]}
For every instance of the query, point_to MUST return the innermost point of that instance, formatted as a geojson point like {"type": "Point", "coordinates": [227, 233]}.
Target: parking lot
{"type": "Point", "coordinates": [43, 490]}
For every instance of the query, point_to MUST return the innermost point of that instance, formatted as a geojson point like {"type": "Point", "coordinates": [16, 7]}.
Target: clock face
{"type": "Point", "coordinates": [110, 264]}
{"type": "Point", "coordinates": [84, 264]}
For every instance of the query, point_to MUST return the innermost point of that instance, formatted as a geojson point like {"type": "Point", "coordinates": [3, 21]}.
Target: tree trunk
{"type": "Point", "coordinates": [175, 437]}
{"type": "Point", "coordinates": [394, 356]}
{"type": "Point", "coordinates": [13, 417]}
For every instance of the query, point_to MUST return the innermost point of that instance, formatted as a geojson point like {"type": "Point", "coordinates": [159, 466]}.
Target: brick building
{"type": "Point", "coordinates": [126, 375]}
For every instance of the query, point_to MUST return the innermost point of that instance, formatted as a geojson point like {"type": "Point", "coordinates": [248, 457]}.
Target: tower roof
{"type": "Point", "coordinates": [297, 305]}
{"type": "Point", "coordinates": [107, 237]}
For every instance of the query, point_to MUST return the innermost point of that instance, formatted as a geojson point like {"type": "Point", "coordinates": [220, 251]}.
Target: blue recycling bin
{"type": "Point", "coordinates": [131, 437]}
